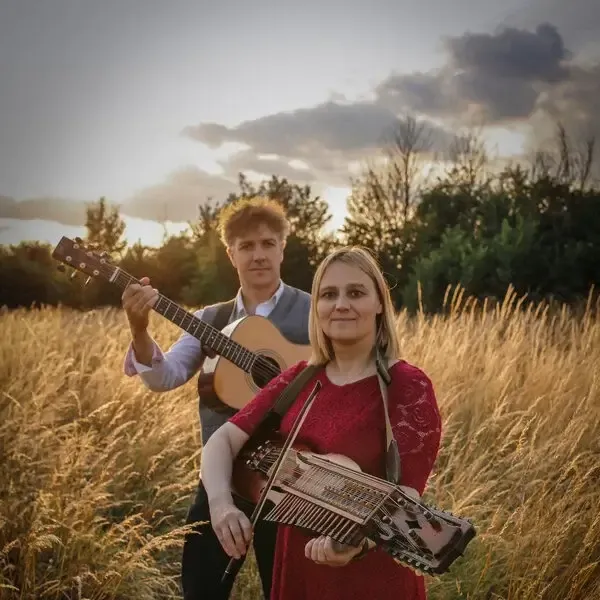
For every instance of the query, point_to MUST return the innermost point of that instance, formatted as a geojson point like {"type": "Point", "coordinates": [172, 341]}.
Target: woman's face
{"type": "Point", "coordinates": [347, 304]}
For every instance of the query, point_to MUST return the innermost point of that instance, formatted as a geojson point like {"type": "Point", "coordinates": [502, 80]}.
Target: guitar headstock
{"type": "Point", "coordinates": [84, 259]}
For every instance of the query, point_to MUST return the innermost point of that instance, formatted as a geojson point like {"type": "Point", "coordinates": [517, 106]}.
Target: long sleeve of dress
{"type": "Point", "coordinates": [417, 425]}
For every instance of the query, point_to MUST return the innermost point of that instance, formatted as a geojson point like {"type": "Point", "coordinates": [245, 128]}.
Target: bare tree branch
{"type": "Point", "coordinates": [468, 157]}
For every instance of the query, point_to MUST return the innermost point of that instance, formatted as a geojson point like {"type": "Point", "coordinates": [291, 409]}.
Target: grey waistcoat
{"type": "Point", "coordinates": [290, 316]}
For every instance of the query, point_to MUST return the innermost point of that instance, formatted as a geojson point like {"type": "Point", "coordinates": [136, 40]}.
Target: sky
{"type": "Point", "coordinates": [158, 106]}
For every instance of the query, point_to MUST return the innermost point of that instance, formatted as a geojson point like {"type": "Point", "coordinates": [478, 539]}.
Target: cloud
{"type": "Point", "coordinates": [330, 127]}
{"type": "Point", "coordinates": [513, 77]}
{"type": "Point", "coordinates": [496, 76]}
{"type": "Point", "coordinates": [500, 79]}
{"type": "Point", "coordinates": [178, 197]}
{"type": "Point", "coordinates": [429, 93]}
{"type": "Point", "coordinates": [66, 212]}
{"type": "Point", "coordinates": [578, 23]}
{"type": "Point", "coordinates": [268, 165]}
{"type": "Point", "coordinates": [574, 104]}
{"type": "Point", "coordinates": [175, 199]}
{"type": "Point", "coordinates": [512, 53]}
{"type": "Point", "coordinates": [326, 137]}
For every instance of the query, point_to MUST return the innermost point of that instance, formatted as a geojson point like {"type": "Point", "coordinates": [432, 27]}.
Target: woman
{"type": "Point", "coordinates": [351, 314]}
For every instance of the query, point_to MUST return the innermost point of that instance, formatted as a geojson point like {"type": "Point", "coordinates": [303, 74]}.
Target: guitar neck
{"type": "Point", "coordinates": [208, 335]}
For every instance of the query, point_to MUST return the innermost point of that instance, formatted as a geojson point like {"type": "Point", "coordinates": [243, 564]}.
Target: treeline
{"type": "Point", "coordinates": [535, 228]}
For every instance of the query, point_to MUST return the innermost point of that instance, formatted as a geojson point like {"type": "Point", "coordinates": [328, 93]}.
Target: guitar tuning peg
{"type": "Point", "coordinates": [61, 268]}
{"type": "Point", "coordinates": [73, 275]}
{"type": "Point", "coordinates": [87, 281]}
{"type": "Point", "coordinates": [79, 240]}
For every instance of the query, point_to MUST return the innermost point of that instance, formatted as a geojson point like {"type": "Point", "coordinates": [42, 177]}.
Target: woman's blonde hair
{"type": "Point", "coordinates": [386, 337]}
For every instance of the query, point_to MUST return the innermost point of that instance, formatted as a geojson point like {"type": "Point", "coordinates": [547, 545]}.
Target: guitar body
{"type": "Point", "coordinates": [224, 384]}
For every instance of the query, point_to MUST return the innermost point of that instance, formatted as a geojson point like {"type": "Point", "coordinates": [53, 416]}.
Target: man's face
{"type": "Point", "coordinates": [257, 257]}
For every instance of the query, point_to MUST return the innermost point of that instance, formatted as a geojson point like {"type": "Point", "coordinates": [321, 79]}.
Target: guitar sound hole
{"type": "Point", "coordinates": [263, 370]}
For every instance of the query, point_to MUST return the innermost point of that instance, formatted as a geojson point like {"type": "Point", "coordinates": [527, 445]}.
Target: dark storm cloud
{"type": "Point", "coordinates": [498, 76]}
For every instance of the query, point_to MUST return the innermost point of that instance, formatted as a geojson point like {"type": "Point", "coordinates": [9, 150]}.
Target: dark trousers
{"type": "Point", "coordinates": [204, 560]}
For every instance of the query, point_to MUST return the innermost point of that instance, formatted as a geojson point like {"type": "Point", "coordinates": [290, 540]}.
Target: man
{"type": "Point", "coordinates": [254, 232]}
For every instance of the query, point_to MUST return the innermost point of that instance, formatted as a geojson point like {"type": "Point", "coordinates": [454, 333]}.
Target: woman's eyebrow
{"type": "Point", "coordinates": [347, 285]}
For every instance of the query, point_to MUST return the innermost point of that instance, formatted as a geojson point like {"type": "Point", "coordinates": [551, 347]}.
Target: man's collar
{"type": "Point", "coordinates": [240, 309]}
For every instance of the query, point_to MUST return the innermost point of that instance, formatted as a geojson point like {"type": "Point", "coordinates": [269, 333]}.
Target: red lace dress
{"type": "Point", "coordinates": [349, 420]}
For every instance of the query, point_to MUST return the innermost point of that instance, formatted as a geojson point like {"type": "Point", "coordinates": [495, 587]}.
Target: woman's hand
{"type": "Point", "coordinates": [326, 551]}
{"type": "Point", "coordinates": [232, 527]}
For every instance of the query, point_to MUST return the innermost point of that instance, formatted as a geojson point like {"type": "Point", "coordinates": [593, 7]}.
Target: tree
{"type": "Point", "coordinates": [567, 163]}
{"type": "Point", "coordinates": [105, 228]}
{"type": "Point", "coordinates": [307, 243]}
{"type": "Point", "coordinates": [30, 277]}
{"type": "Point", "coordinates": [468, 159]}
{"type": "Point", "coordinates": [383, 200]}
{"type": "Point", "coordinates": [213, 277]}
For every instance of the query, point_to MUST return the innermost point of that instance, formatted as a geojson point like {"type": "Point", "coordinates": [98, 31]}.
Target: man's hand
{"type": "Point", "coordinates": [232, 526]}
{"type": "Point", "coordinates": [326, 551]}
{"type": "Point", "coordinates": [138, 300]}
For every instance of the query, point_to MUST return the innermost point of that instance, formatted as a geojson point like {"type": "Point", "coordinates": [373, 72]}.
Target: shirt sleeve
{"type": "Point", "coordinates": [249, 417]}
{"type": "Point", "coordinates": [417, 426]}
{"type": "Point", "coordinates": [170, 369]}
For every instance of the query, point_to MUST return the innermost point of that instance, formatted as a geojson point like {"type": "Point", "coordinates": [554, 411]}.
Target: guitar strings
{"type": "Point", "coordinates": [266, 368]}
{"type": "Point", "coordinates": [270, 459]}
{"type": "Point", "coordinates": [369, 498]}
{"type": "Point", "coordinates": [258, 365]}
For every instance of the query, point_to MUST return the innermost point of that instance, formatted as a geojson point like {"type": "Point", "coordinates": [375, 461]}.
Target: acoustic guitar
{"type": "Point", "coordinates": [248, 353]}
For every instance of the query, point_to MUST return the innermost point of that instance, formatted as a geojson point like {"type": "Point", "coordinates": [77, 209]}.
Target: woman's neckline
{"type": "Point", "coordinates": [356, 381]}
{"type": "Point", "coordinates": [353, 382]}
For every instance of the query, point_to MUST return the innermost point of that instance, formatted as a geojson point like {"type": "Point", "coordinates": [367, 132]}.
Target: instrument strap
{"type": "Point", "coordinates": [292, 390]}
{"type": "Point", "coordinates": [272, 420]}
{"type": "Point", "coordinates": [392, 457]}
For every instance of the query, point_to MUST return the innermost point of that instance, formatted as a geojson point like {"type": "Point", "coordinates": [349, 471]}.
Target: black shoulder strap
{"type": "Point", "coordinates": [272, 419]}
{"type": "Point", "coordinates": [291, 391]}
{"type": "Point", "coordinates": [224, 310]}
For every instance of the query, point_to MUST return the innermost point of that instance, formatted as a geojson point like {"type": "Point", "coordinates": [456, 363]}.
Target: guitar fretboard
{"type": "Point", "coordinates": [208, 335]}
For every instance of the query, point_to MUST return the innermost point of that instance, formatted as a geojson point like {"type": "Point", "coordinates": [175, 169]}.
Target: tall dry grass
{"type": "Point", "coordinates": [96, 472]}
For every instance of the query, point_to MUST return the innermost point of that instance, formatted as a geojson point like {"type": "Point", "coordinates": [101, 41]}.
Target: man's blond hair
{"type": "Point", "coordinates": [248, 213]}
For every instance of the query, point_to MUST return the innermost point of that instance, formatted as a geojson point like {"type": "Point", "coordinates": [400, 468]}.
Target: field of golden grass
{"type": "Point", "coordinates": [96, 472]}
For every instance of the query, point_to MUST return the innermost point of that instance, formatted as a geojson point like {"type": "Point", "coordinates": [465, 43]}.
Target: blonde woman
{"type": "Point", "coordinates": [351, 315]}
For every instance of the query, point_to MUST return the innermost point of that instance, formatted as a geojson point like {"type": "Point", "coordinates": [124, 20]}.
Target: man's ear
{"type": "Point", "coordinates": [230, 255]}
